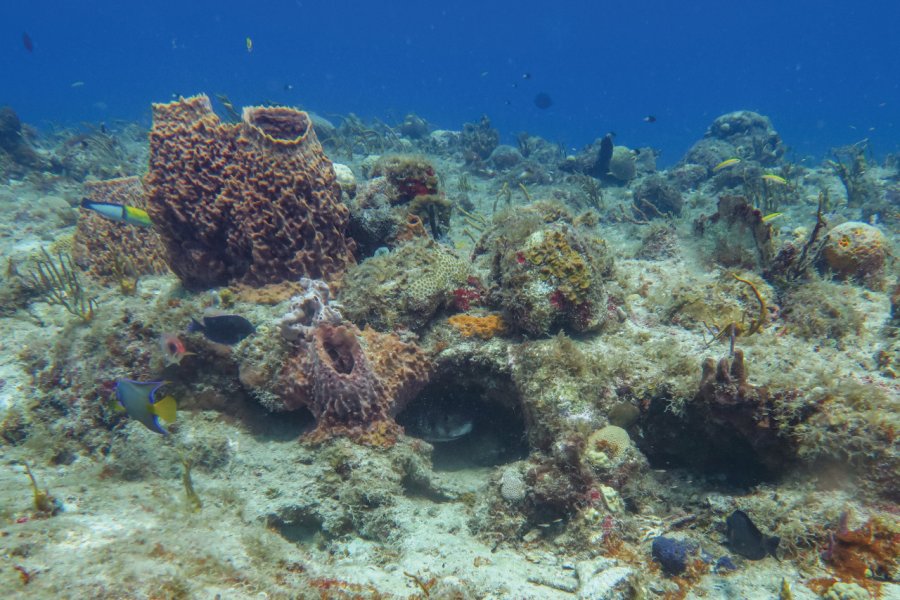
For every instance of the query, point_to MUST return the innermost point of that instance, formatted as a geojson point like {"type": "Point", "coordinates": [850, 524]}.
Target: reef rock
{"type": "Point", "coordinates": [547, 276]}
{"type": "Point", "coordinates": [12, 141]}
{"type": "Point", "coordinates": [743, 134]}
{"type": "Point", "coordinates": [654, 197]}
{"type": "Point", "coordinates": [254, 202]}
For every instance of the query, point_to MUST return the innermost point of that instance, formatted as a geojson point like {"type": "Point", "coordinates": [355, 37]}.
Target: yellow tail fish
{"type": "Point", "coordinates": [119, 212]}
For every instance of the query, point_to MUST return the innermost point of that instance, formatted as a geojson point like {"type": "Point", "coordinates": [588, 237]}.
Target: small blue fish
{"type": "Point", "coordinates": [138, 398]}
{"type": "Point", "coordinates": [119, 212]}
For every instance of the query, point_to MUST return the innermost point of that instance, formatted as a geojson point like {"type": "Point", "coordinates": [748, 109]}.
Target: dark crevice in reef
{"type": "Point", "coordinates": [472, 421]}
{"type": "Point", "coordinates": [672, 442]}
{"type": "Point", "coordinates": [281, 426]}
{"type": "Point", "coordinates": [295, 525]}
{"type": "Point", "coordinates": [730, 430]}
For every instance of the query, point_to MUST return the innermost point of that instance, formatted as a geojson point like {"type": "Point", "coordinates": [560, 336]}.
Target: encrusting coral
{"type": "Point", "coordinates": [254, 202]}
{"type": "Point", "coordinates": [406, 286]}
{"type": "Point", "coordinates": [109, 250]}
{"type": "Point", "coordinates": [547, 274]}
{"type": "Point", "coordinates": [485, 327]}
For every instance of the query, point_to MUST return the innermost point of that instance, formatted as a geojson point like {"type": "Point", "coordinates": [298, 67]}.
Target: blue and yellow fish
{"type": "Point", "coordinates": [138, 398]}
{"type": "Point", "coordinates": [119, 212]}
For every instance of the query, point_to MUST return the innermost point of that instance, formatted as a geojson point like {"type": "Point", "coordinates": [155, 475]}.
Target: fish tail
{"type": "Point", "coordinates": [165, 409]}
{"type": "Point", "coordinates": [136, 216]}
{"type": "Point", "coordinates": [195, 326]}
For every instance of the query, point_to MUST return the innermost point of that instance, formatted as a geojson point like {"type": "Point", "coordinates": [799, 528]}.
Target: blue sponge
{"type": "Point", "coordinates": [672, 554]}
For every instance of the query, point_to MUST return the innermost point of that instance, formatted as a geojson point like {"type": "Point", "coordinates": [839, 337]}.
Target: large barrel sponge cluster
{"type": "Point", "coordinates": [254, 202]}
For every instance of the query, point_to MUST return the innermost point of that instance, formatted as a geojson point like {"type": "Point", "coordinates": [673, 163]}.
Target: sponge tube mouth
{"type": "Point", "coordinates": [278, 123]}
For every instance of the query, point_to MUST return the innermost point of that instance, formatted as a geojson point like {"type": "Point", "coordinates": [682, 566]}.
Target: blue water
{"type": "Point", "coordinates": [827, 73]}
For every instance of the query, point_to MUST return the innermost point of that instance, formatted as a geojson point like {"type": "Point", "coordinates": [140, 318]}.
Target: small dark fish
{"type": "Point", "coordinates": [543, 101]}
{"type": "Point", "coordinates": [26, 41]}
{"type": "Point", "coordinates": [649, 119]}
{"type": "Point", "coordinates": [223, 329]}
{"type": "Point", "coordinates": [746, 539]}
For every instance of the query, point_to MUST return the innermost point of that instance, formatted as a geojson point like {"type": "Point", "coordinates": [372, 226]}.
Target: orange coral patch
{"type": "Point", "coordinates": [485, 327]}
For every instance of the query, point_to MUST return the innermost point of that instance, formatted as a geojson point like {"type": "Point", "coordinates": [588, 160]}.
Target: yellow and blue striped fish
{"type": "Point", "coordinates": [119, 212]}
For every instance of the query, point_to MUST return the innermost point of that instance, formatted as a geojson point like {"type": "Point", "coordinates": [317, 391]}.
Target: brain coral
{"type": "Point", "coordinates": [254, 202]}
{"type": "Point", "coordinates": [406, 286]}
{"type": "Point", "coordinates": [110, 250]}
{"type": "Point", "coordinates": [855, 250]}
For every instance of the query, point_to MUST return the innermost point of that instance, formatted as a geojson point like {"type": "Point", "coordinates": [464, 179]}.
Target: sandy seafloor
{"type": "Point", "coordinates": [126, 530]}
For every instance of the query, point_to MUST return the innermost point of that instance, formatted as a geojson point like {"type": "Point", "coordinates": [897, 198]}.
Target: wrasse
{"type": "Point", "coordinates": [725, 164]}
{"type": "Point", "coordinates": [771, 217]}
{"type": "Point", "coordinates": [119, 212]}
{"type": "Point", "coordinates": [775, 179]}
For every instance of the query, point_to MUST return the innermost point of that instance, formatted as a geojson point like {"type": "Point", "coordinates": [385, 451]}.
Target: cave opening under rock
{"type": "Point", "coordinates": [473, 420]}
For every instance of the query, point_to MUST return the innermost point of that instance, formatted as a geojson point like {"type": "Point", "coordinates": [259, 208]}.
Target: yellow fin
{"type": "Point", "coordinates": [165, 409]}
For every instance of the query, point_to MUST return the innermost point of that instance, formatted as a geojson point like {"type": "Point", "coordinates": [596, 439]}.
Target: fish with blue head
{"type": "Point", "coordinates": [138, 399]}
